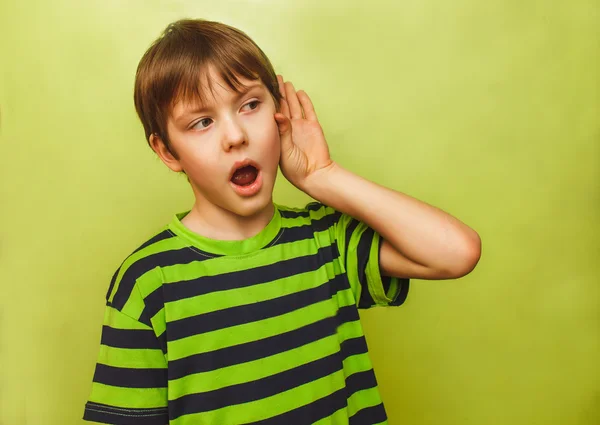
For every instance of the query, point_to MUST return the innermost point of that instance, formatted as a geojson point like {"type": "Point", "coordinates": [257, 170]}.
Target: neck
{"type": "Point", "coordinates": [217, 223]}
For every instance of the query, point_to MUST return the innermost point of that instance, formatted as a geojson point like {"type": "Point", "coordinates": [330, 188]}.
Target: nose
{"type": "Point", "coordinates": [233, 135]}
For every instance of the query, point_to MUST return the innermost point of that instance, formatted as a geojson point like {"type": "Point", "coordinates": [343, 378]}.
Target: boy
{"type": "Point", "coordinates": [242, 311]}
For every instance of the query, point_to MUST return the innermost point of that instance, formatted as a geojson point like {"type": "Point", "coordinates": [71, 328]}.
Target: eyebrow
{"type": "Point", "coordinates": [202, 108]}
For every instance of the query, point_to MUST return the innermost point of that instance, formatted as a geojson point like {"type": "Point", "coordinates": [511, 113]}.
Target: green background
{"type": "Point", "coordinates": [488, 110]}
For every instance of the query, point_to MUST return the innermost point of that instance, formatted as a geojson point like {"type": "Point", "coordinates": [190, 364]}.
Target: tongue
{"type": "Point", "coordinates": [245, 176]}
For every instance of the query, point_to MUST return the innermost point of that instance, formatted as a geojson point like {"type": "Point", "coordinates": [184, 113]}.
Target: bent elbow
{"type": "Point", "coordinates": [469, 257]}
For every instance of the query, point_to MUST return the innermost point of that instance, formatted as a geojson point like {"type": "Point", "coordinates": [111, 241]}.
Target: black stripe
{"type": "Point", "coordinates": [312, 206]}
{"type": "Point", "coordinates": [153, 303]}
{"type": "Point", "coordinates": [294, 234]}
{"type": "Point", "coordinates": [162, 341]}
{"type": "Point", "coordinates": [403, 291]}
{"type": "Point", "coordinates": [386, 282]}
{"type": "Point", "coordinates": [207, 322]}
{"type": "Point", "coordinates": [239, 279]}
{"type": "Point", "coordinates": [159, 237]}
{"type": "Point", "coordinates": [130, 378]}
{"type": "Point", "coordinates": [112, 283]}
{"type": "Point", "coordinates": [363, 250]}
{"type": "Point", "coordinates": [309, 413]}
{"type": "Point", "coordinates": [349, 231]}
{"type": "Point", "coordinates": [294, 214]}
{"type": "Point", "coordinates": [129, 338]}
{"type": "Point", "coordinates": [304, 232]}
{"type": "Point", "coordinates": [255, 390]}
{"type": "Point", "coordinates": [145, 264]}
{"type": "Point", "coordinates": [351, 347]}
{"type": "Point", "coordinates": [346, 314]}
{"type": "Point", "coordinates": [366, 299]}
{"type": "Point", "coordinates": [145, 319]}
{"type": "Point", "coordinates": [165, 234]}
{"type": "Point", "coordinates": [404, 284]}
{"type": "Point", "coordinates": [360, 381]}
{"type": "Point", "coordinates": [325, 223]}
{"type": "Point", "coordinates": [369, 416]}
{"type": "Point", "coordinates": [254, 350]}
{"type": "Point", "coordinates": [95, 412]}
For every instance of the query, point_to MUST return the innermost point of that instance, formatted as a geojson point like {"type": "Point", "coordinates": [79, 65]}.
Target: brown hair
{"type": "Point", "coordinates": [171, 68]}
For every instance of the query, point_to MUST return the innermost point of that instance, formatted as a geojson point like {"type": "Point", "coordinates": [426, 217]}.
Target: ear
{"type": "Point", "coordinates": [165, 155]}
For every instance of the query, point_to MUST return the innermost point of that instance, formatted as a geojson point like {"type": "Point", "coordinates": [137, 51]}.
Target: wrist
{"type": "Point", "coordinates": [319, 184]}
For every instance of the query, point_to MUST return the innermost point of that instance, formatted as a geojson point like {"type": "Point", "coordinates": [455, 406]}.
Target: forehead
{"type": "Point", "coordinates": [210, 89]}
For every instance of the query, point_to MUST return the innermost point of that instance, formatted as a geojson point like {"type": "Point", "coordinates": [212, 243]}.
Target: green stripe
{"type": "Point", "coordinates": [150, 282]}
{"type": "Point", "coordinates": [118, 320]}
{"type": "Point", "coordinates": [394, 289]}
{"type": "Point", "coordinates": [134, 358]}
{"type": "Point", "coordinates": [254, 331]}
{"type": "Point", "coordinates": [221, 300]}
{"type": "Point", "coordinates": [374, 282]}
{"type": "Point", "coordinates": [253, 370]}
{"type": "Point", "coordinates": [306, 220]}
{"type": "Point", "coordinates": [350, 330]}
{"type": "Point", "coordinates": [374, 279]}
{"type": "Point", "coordinates": [357, 363]}
{"type": "Point", "coordinates": [257, 369]}
{"type": "Point", "coordinates": [270, 406]}
{"type": "Point", "coordinates": [155, 248]}
{"type": "Point", "coordinates": [230, 264]}
{"type": "Point", "coordinates": [348, 248]}
{"type": "Point", "coordinates": [143, 398]}
{"type": "Point", "coordinates": [134, 306]}
{"type": "Point", "coordinates": [363, 399]}
{"type": "Point", "coordinates": [158, 322]}
{"type": "Point", "coordinates": [338, 418]}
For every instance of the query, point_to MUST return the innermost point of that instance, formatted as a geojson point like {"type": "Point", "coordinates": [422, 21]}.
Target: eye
{"type": "Point", "coordinates": [202, 124]}
{"type": "Point", "coordinates": [254, 102]}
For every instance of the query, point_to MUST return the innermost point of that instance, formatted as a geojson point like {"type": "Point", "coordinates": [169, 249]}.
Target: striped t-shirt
{"type": "Point", "coordinates": [260, 331]}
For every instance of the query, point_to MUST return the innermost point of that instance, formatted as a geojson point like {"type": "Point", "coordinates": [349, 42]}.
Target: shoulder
{"type": "Point", "coordinates": [139, 273]}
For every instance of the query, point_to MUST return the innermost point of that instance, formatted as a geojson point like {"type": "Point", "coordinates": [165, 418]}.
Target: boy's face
{"type": "Point", "coordinates": [229, 147]}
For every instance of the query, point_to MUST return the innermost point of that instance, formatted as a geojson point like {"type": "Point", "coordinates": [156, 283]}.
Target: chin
{"type": "Point", "coordinates": [226, 199]}
{"type": "Point", "coordinates": [248, 207]}
{"type": "Point", "coordinates": [251, 207]}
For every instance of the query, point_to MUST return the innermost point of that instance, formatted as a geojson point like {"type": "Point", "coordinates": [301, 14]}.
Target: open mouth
{"type": "Point", "coordinates": [244, 174]}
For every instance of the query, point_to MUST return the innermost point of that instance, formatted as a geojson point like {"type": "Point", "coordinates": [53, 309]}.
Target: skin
{"type": "Point", "coordinates": [420, 241]}
{"type": "Point", "coordinates": [208, 143]}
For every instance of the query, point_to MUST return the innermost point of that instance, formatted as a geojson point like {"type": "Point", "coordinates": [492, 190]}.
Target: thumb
{"type": "Point", "coordinates": [285, 131]}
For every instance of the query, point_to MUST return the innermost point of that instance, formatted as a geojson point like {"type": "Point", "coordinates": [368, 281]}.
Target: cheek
{"type": "Point", "coordinates": [264, 137]}
{"type": "Point", "coordinates": [202, 166]}
{"type": "Point", "coordinates": [270, 135]}
{"type": "Point", "coordinates": [273, 147]}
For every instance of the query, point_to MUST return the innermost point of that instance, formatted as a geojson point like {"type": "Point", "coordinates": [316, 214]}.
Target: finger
{"type": "Point", "coordinates": [292, 100]}
{"type": "Point", "coordinates": [285, 131]}
{"type": "Point", "coordinates": [307, 106]}
{"type": "Point", "coordinates": [285, 108]}
{"type": "Point", "coordinates": [280, 83]}
{"type": "Point", "coordinates": [283, 105]}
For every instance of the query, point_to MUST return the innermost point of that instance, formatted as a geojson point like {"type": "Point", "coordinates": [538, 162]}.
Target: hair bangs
{"type": "Point", "coordinates": [195, 85]}
{"type": "Point", "coordinates": [176, 69]}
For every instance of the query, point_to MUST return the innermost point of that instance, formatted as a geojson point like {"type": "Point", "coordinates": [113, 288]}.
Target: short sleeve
{"type": "Point", "coordinates": [359, 248]}
{"type": "Point", "coordinates": [130, 381]}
